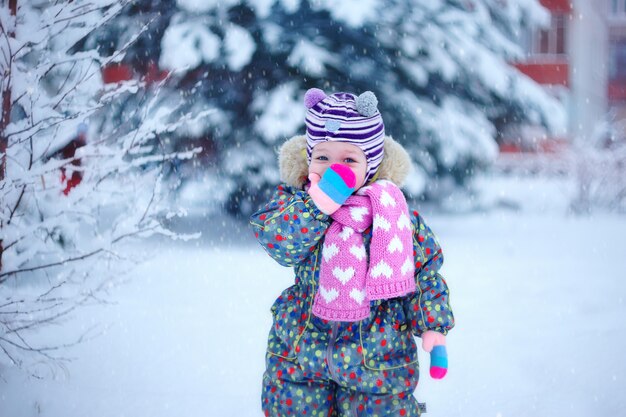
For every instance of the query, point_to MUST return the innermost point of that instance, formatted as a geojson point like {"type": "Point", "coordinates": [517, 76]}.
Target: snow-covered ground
{"type": "Point", "coordinates": [539, 298]}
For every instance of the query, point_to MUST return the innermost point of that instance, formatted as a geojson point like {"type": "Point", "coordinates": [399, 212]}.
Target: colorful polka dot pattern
{"type": "Point", "coordinates": [328, 376]}
{"type": "Point", "coordinates": [428, 308]}
{"type": "Point", "coordinates": [290, 226]}
{"type": "Point", "coordinates": [320, 368]}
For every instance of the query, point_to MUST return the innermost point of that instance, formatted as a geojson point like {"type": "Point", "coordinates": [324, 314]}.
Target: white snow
{"type": "Point", "coordinates": [417, 180]}
{"type": "Point", "coordinates": [529, 92]}
{"type": "Point", "coordinates": [281, 112]}
{"type": "Point", "coordinates": [354, 13]}
{"type": "Point", "coordinates": [466, 131]}
{"type": "Point", "coordinates": [291, 6]}
{"type": "Point", "coordinates": [310, 58]}
{"type": "Point", "coordinates": [415, 70]}
{"type": "Point", "coordinates": [262, 7]}
{"type": "Point", "coordinates": [203, 6]}
{"type": "Point", "coordinates": [539, 298]}
{"type": "Point", "coordinates": [271, 33]}
{"type": "Point", "coordinates": [239, 47]}
{"type": "Point", "coordinates": [187, 45]}
{"type": "Point", "coordinates": [460, 126]}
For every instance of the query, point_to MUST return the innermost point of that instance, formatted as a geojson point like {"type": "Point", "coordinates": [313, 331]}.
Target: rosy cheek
{"type": "Point", "coordinates": [315, 168]}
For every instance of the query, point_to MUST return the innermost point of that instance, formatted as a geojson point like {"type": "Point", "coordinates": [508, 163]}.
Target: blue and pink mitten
{"type": "Point", "coordinates": [438, 362]}
{"type": "Point", "coordinates": [435, 343]}
{"type": "Point", "coordinates": [333, 189]}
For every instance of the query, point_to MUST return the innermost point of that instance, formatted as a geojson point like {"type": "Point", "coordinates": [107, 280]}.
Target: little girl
{"type": "Point", "coordinates": [366, 275]}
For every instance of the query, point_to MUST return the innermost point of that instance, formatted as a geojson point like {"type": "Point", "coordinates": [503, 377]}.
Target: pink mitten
{"type": "Point", "coordinates": [435, 343]}
{"type": "Point", "coordinates": [332, 190]}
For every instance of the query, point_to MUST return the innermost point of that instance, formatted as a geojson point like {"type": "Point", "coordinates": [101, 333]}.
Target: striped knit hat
{"type": "Point", "coordinates": [344, 117]}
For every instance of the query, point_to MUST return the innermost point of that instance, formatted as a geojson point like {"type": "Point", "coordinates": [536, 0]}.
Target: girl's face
{"type": "Point", "coordinates": [327, 153]}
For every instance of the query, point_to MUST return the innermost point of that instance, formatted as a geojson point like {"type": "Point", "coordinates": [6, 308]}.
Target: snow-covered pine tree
{"type": "Point", "coordinates": [63, 242]}
{"type": "Point", "coordinates": [439, 68]}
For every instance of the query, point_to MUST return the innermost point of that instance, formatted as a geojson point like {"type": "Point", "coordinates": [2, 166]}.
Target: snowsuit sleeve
{"type": "Point", "coordinates": [289, 226]}
{"type": "Point", "coordinates": [428, 308]}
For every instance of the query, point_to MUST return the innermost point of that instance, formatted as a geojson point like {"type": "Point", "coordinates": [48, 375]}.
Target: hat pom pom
{"type": "Point", "coordinates": [367, 104]}
{"type": "Point", "coordinates": [313, 96]}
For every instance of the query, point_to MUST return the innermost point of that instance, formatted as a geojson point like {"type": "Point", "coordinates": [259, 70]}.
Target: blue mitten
{"type": "Point", "coordinates": [333, 189]}
{"type": "Point", "coordinates": [438, 362]}
{"type": "Point", "coordinates": [435, 343]}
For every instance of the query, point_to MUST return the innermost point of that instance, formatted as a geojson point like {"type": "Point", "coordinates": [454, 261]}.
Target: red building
{"type": "Point", "coordinates": [581, 59]}
{"type": "Point", "coordinates": [616, 20]}
{"type": "Point", "coordinates": [548, 60]}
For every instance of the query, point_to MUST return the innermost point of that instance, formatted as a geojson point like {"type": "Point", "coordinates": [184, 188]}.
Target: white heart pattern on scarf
{"type": "Point", "coordinates": [387, 200]}
{"type": "Point", "coordinates": [357, 295]}
{"type": "Point", "coordinates": [352, 273]}
{"type": "Point", "coordinates": [404, 222]}
{"type": "Point", "coordinates": [395, 245]}
{"type": "Point", "coordinates": [346, 233]}
{"type": "Point", "coordinates": [343, 275]}
{"type": "Point", "coordinates": [329, 251]}
{"type": "Point", "coordinates": [381, 223]}
{"type": "Point", "coordinates": [329, 295]}
{"type": "Point", "coordinates": [357, 213]}
{"type": "Point", "coordinates": [358, 252]}
{"type": "Point", "coordinates": [406, 266]}
{"type": "Point", "coordinates": [382, 269]}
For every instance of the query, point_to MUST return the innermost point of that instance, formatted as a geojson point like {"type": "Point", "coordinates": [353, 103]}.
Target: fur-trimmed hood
{"type": "Point", "coordinates": [294, 168]}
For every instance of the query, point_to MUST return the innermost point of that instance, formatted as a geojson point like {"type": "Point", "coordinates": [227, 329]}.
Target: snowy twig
{"type": "Point", "coordinates": [4, 275]}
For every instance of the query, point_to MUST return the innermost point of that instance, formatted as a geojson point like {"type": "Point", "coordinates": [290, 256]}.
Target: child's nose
{"type": "Point", "coordinates": [334, 163]}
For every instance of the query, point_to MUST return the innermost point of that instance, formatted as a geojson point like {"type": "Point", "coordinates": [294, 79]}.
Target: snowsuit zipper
{"type": "Point", "coordinates": [329, 348]}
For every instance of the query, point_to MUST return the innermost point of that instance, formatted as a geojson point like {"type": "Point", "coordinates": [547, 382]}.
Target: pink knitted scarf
{"type": "Point", "coordinates": [347, 282]}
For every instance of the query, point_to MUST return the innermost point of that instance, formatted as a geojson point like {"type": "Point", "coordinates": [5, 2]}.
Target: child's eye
{"type": "Point", "coordinates": [349, 160]}
{"type": "Point", "coordinates": [321, 158]}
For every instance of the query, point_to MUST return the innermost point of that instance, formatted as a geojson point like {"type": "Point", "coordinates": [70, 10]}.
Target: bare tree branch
{"type": "Point", "coordinates": [57, 262]}
{"type": "Point", "coordinates": [3, 275]}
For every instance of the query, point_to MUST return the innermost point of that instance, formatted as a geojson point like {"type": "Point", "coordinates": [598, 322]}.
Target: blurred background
{"type": "Point", "coordinates": [138, 136]}
{"type": "Point", "coordinates": [464, 86]}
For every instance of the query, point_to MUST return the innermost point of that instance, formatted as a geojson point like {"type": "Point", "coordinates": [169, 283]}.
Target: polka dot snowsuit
{"type": "Point", "coordinates": [316, 367]}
